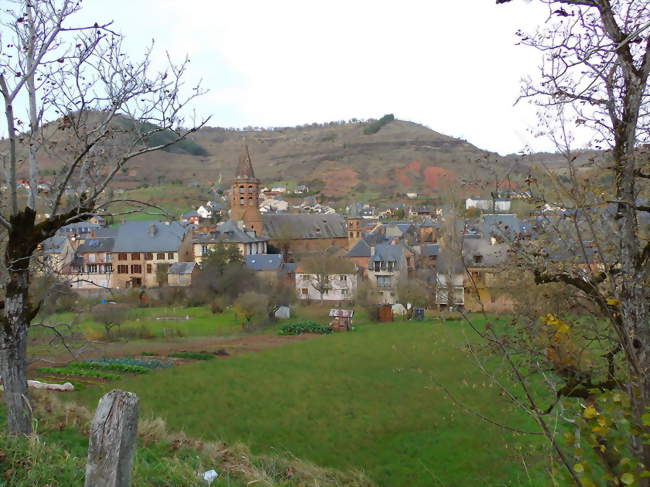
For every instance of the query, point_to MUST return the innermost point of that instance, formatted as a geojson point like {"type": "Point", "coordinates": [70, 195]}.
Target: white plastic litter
{"type": "Point", "coordinates": [210, 476]}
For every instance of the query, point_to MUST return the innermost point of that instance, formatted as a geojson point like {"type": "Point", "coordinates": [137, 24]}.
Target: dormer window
{"type": "Point", "coordinates": [478, 259]}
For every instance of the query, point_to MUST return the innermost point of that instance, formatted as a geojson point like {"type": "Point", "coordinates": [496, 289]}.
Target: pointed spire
{"type": "Point", "coordinates": [245, 168]}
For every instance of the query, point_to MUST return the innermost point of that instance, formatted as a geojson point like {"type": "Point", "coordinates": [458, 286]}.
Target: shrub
{"type": "Point", "coordinates": [219, 304]}
{"type": "Point", "coordinates": [173, 296]}
{"type": "Point", "coordinates": [110, 316]}
{"type": "Point", "coordinates": [305, 327]}
{"type": "Point", "coordinates": [139, 332]}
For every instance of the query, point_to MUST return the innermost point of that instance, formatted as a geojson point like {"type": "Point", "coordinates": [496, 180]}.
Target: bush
{"type": "Point", "coordinates": [173, 296]}
{"type": "Point", "coordinates": [219, 304]}
{"type": "Point", "coordinates": [305, 327]}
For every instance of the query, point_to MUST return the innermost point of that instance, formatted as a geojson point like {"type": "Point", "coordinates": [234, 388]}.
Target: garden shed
{"type": "Point", "coordinates": [342, 319]}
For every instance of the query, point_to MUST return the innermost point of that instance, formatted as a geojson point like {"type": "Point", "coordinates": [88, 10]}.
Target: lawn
{"type": "Point", "coordinates": [368, 399]}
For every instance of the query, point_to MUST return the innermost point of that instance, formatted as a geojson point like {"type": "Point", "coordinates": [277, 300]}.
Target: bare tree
{"type": "Point", "coordinates": [594, 81]}
{"type": "Point", "coordinates": [108, 110]}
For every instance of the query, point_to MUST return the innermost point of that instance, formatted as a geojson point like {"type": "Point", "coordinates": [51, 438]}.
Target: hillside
{"type": "Point", "coordinates": [337, 158]}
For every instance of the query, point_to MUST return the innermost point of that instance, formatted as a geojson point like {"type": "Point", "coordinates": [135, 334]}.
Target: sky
{"type": "Point", "coordinates": [451, 65]}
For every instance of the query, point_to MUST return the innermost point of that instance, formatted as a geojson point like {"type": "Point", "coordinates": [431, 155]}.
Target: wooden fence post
{"type": "Point", "coordinates": [113, 434]}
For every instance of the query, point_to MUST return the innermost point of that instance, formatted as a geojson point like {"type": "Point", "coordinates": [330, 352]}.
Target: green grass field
{"type": "Point", "coordinates": [369, 399]}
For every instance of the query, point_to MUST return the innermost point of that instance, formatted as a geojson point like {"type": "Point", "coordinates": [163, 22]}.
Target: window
{"type": "Point", "coordinates": [109, 258]}
{"type": "Point", "coordinates": [493, 299]}
{"type": "Point", "coordinates": [148, 256]}
{"type": "Point", "coordinates": [160, 255]}
{"type": "Point", "coordinates": [170, 255]}
{"type": "Point", "coordinates": [384, 281]}
{"type": "Point", "coordinates": [108, 268]}
{"type": "Point", "coordinates": [122, 256]}
{"type": "Point", "coordinates": [204, 250]}
{"type": "Point", "coordinates": [149, 268]}
{"type": "Point", "coordinates": [136, 269]}
{"type": "Point", "coordinates": [122, 269]}
{"type": "Point", "coordinates": [135, 256]}
{"type": "Point", "coordinates": [391, 266]}
{"type": "Point", "coordinates": [343, 277]}
{"type": "Point", "coordinates": [377, 266]}
{"type": "Point", "coordinates": [478, 259]}
{"type": "Point", "coordinates": [241, 189]}
{"type": "Point", "coordinates": [304, 291]}
{"type": "Point", "coordinates": [344, 292]}
{"type": "Point", "coordinates": [92, 268]}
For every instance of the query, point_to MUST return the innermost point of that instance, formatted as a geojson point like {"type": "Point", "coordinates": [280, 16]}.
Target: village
{"type": "Point", "coordinates": [359, 247]}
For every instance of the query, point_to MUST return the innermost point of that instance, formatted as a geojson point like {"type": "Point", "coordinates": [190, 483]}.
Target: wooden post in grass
{"type": "Point", "coordinates": [112, 440]}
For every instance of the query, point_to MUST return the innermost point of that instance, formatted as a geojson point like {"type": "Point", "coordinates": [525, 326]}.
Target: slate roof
{"type": "Point", "coordinates": [149, 236]}
{"type": "Point", "coordinates": [360, 249]}
{"type": "Point", "coordinates": [228, 232]}
{"type": "Point", "coordinates": [97, 245]}
{"type": "Point", "coordinates": [181, 268]}
{"type": "Point", "coordinates": [491, 255]}
{"type": "Point", "coordinates": [501, 224]}
{"type": "Point", "coordinates": [429, 250]}
{"type": "Point", "coordinates": [304, 226]}
{"type": "Point", "coordinates": [263, 262]}
{"type": "Point", "coordinates": [80, 228]}
{"type": "Point", "coordinates": [54, 245]}
{"type": "Point", "coordinates": [387, 253]}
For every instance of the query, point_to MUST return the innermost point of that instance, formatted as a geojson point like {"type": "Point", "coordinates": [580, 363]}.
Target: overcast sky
{"type": "Point", "coordinates": [449, 64]}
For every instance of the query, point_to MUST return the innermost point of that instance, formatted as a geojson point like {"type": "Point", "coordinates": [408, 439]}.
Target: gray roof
{"type": "Point", "coordinates": [181, 268]}
{"type": "Point", "coordinates": [264, 262]}
{"type": "Point", "coordinates": [54, 245]}
{"type": "Point", "coordinates": [490, 255]}
{"type": "Point", "coordinates": [360, 249]}
{"type": "Point", "coordinates": [387, 253]}
{"type": "Point", "coordinates": [228, 232]}
{"type": "Point", "coordinates": [502, 224]}
{"type": "Point", "coordinates": [304, 226]}
{"type": "Point", "coordinates": [149, 236]}
{"type": "Point", "coordinates": [79, 228]}
{"type": "Point", "coordinates": [429, 250]}
{"type": "Point", "coordinates": [97, 245]}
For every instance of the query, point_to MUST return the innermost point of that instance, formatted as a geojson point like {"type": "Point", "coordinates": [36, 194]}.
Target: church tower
{"type": "Point", "coordinates": [244, 197]}
{"type": "Point", "coordinates": [354, 225]}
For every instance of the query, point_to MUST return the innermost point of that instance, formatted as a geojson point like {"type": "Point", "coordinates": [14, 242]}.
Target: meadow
{"type": "Point", "coordinates": [370, 400]}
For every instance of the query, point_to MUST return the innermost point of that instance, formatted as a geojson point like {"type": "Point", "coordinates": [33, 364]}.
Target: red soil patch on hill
{"type": "Point", "coordinates": [339, 182]}
{"type": "Point", "coordinates": [405, 174]}
{"type": "Point", "coordinates": [435, 177]}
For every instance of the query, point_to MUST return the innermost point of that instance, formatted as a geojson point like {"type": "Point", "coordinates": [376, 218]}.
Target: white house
{"type": "Point", "coordinates": [480, 203]}
{"type": "Point", "coordinates": [339, 287]}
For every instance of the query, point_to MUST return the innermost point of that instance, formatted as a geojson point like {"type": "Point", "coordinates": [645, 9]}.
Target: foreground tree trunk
{"type": "Point", "coordinates": [23, 239]}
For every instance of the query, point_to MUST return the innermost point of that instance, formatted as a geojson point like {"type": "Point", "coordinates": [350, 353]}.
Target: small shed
{"type": "Point", "coordinates": [399, 309]}
{"type": "Point", "coordinates": [342, 319]}
{"type": "Point", "coordinates": [182, 273]}
{"type": "Point", "coordinates": [385, 313]}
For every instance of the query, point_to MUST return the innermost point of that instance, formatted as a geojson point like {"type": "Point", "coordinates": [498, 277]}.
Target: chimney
{"type": "Point", "coordinates": [152, 230]}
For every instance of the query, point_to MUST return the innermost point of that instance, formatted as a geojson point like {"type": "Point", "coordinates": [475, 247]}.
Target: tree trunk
{"type": "Point", "coordinates": [13, 354]}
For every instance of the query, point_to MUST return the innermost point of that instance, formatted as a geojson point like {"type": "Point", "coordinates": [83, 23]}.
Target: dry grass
{"type": "Point", "coordinates": [235, 461]}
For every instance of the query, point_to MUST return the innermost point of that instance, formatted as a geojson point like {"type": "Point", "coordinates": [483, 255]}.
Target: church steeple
{"type": "Point", "coordinates": [245, 167]}
{"type": "Point", "coordinates": [244, 197]}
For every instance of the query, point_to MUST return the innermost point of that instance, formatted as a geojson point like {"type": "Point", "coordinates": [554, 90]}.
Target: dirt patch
{"type": "Point", "coordinates": [435, 176]}
{"type": "Point", "coordinates": [339, 182]}
{"type": "Point", "coordinates": [234, 345]}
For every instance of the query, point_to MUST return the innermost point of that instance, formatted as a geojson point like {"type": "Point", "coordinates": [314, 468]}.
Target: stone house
{"type": "Point", "coordinates": [92, 267]}
{"type": "Point", "coordinates": [142, 246]}
{"type": "Point", "coordinates": [389, 264]}
{"type": "Point", "coordinates": [231, 233]}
